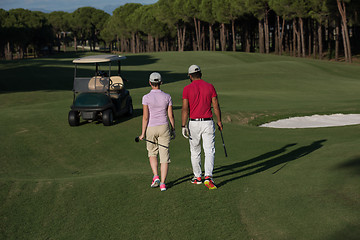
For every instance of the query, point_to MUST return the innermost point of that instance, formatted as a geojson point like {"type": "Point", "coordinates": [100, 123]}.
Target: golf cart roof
{"type": "Point", "coordinates": [99, 59]}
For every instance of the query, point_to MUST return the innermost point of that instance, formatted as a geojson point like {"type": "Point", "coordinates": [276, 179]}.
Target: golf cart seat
{"type": "Point", "coordinates": [117, 83]}
{"type": "Point", "coordinates": [98, 84]}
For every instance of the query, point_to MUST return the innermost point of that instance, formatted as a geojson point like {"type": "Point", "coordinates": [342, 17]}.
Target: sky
{"type": "Point", "coordinates": [67, 5]}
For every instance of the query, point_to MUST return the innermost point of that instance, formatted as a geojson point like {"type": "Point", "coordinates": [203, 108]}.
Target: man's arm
{"type": "Point", "coordinates": [184, 112]}
{"type": "Point", "coordinates": [217, 112]}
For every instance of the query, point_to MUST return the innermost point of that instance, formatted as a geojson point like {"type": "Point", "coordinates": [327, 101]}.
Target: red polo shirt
{"type": "Point", "coordinates": [200, 94]}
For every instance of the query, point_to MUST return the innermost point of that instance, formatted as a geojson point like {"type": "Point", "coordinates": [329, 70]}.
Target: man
{"type": "Point", "coordinates": [198, 97]}
{"type": "Point", "coordinates": [157, 110]}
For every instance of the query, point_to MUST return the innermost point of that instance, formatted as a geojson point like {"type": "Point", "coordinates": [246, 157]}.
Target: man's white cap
{"type": "Point", "coordinates": [194, 69]}
{"type": "Point", "coordinates": [155, 77]}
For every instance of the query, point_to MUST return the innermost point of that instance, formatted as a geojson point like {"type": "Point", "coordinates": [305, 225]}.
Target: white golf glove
{"type": "Point", "coordinates": [185, 132]}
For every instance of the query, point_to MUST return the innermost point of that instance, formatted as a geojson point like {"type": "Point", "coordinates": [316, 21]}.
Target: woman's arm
{"type": "Point", "coordinates": [171, 117]}
{"type": "Point", "coordinates": [145, 121]}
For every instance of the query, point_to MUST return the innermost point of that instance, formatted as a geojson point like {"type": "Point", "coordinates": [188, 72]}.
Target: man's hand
{"type": "Point", "coordinates": [220, 126]}
{"type": "Point", "coordinates": [185, 132]}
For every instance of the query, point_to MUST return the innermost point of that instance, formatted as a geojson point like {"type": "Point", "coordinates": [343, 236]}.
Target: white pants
{"type": "Point", "coordinates": [204, 130]}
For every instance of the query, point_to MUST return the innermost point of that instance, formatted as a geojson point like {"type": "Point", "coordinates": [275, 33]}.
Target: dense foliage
{"type": "Point", "coordinates": [301, 28]}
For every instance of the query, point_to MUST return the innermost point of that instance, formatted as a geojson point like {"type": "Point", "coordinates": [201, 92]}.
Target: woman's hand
{"type": "Point", "coordinates": [142, 136]}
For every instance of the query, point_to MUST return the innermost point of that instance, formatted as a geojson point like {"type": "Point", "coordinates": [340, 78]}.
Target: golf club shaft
{"type": "Point", "coordinates": [155, 143]}
{"type": "Point", "coordinates": [222, 138]}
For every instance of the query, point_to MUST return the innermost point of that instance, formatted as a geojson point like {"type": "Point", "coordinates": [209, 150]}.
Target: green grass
{"type": "Point", "coordinates": [92, 182]}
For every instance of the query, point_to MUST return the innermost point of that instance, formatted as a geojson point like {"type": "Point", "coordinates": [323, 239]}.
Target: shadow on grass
{"type": "Point", "coordinates": [258, 164]}
{"type": "Point", "coordinates": [57, 73]}
{"type": "Point", "coordinates": [352, 165]}
{"type": "Point", "coordinates": [351, 232]}
{"type": "Point", "coordinates": [139, 60]}
{"type": "Point", "coordinates": [139, 79]}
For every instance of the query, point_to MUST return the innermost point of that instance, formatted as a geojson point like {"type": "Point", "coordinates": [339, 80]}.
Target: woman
{"type": "Point", "coordinates": [157, 110]}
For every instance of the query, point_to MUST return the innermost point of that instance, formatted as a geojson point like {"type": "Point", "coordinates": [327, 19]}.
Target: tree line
{"type": "Point", "coordinates": [302, 28]}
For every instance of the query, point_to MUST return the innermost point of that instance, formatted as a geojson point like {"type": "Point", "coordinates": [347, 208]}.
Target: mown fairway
{"type": "Point", "coordinates": [93, 182]}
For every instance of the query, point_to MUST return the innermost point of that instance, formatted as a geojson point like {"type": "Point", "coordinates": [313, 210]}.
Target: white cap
{"type": "Point", "coordinates": [155, 77]}
{"type": "Point", "coordinates": [194, 69]}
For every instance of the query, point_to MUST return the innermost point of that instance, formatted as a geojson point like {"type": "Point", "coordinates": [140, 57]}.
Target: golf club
{"type": "Point", "coordinates": [137, 139]}
{"type": "Point", "coordinates": [222, 138]}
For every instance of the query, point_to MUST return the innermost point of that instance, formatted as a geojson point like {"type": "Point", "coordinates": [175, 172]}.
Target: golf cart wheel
{"type": "Point", "coordinates": [74, 118]}
{"type": "Point", "coordinates": [107, 117]}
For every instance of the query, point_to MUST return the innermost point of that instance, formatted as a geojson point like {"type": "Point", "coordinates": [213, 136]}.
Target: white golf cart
{"type": "Point", "coordinates": [100, 96]}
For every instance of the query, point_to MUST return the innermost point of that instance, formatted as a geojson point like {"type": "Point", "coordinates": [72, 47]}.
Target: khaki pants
{"type": "Point", "coordinates": [159, 134]}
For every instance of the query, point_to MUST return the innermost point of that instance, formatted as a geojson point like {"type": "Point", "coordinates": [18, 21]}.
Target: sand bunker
{"type": "Point", "coordinates": [316, 121]}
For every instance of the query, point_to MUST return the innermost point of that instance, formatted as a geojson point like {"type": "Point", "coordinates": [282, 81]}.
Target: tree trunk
{"type": "Point", "coordinates": [183, 38]}
{"type": "Point", "coordinates": [330, 37]}
{"type": "Point", "coordinates": [6, 51]}
{"type": "Point", "coordinates": [197, 24]}
{"type": "Point", "coordinates": [344, 42]}
{"type": "Point", "coordinates": [261, 37]}
{"type": "Point", "coordinates": [197, 35]}
{"type": "Point", "coordinates": [133, 50]}
{"type": "Point", "coordinates": [345, 32]}
{"type": "Point", "coordinates": [138, 43]}
{"type": "Point", "coordinates": [156, 44]}
{"type": "Point", "coordinates": [150, 44]}
{"type": "Point", "coordinates": [64, 42]}
{"type": "Point", "coordinates": [287, 43]}
{"type": "Point", "coordinates": [247, 40]}
{"type": "Point", "coordinates": [222, 37]}
{"type": "Point", "coordinates": [278, 37]}
{"type": "Point", "coordinates": [315, 40]}
{"type": "Point", "coordinates": [21, 52]}
{"type": "Point", "coordinates": [310, 26]}
{"type": "Point", "coordinates": [320, 40]}
{"type": "Point", "coordinates": [337, 37]}
{"type": "Point", "coordinates": [276, 30]}
{"type": "Point", "coordinates": [203, 38]}
{"type": "Point", "coordinates": [302, 36]}
{"type": "Point", "coordinates": [267, 34]}
{"type": "Point", "coordinates": [294, 37]}
{"type": "Point", "coordinates": [181, 33]}
{"type": "Point", "coordinates": [178, 37]}
{"type": "Point", "coordinates": [59, 42]}
{"type": "Point", "coordinates": [75, 43]}
{"type": "Point", "coordinates": [291, 46]}
{"type": "Point", "coordinates": [281, 34]}
{"type": "Point", "coordinates": [233, 35]}
{"type": "Point", "coordinates": [297, 39]}
{"type": "Point", "coordinates": [211, 38]}
{"type": "Point", "coordinates": [117, 43]}
{"type": "Point", "coordinates": [122, 44]}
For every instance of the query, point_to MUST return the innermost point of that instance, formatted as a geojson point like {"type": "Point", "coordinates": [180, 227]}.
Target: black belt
{"type": "Point", "coordinates": [200, 119]}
